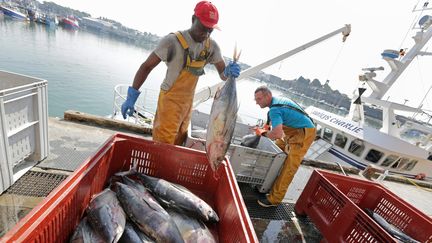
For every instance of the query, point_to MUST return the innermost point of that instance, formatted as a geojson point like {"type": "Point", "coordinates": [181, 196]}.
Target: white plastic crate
{"type": "Point", "coordinates": [258, 166]}
{"type": "Point", "coordinates": [23, 125]}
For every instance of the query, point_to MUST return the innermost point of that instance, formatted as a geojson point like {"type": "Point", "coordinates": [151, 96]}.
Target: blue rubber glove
{"type": "Point", "coordinates": [232, 69]}
{"type": "Point", "coordinates": [128, 106]}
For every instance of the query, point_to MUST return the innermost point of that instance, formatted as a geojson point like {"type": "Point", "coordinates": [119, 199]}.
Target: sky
{"type": "Point", "coordinates": [265, 29]}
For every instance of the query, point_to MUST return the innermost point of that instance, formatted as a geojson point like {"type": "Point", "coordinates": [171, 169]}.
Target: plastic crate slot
{"type": "Point", "coordinates": [20, 113]}
{"type": "Point", "coordinates": [249, 180]}
{"type": "Point", "coordinates": [148, 171]}
{"type": "Point", "coordinates": [357, 234]}
{"type": "Point", "coordinates": [143, 161]}
{"type": "Point", "coordinates": [18, 119]}
{"type": "Point", "coordinates": [329, 206]}
{"type": "Point", "coordinates": [367, 231]}
{"type": "Point", "coordinates": [392, 214]}
{"type": "Point", "coordinates": [328, 201]}
{"type": "Point", "coordinates": [20, 149]}
{"type": "Point", "coordinates": [194, 174]}
{"type": "Point", "coordinates": [356, 194]}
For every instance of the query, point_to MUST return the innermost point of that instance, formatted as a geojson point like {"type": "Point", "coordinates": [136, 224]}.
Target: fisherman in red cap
{"type": "Point", "coordinates": [185, 53]}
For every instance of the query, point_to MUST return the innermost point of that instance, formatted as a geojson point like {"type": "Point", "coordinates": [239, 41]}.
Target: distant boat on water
{"type": "Point", "coordinates": [97, 24]}
{"type": "Point", "coordinates": [69, 22]}
{"type": "Point", "coordinates": [13, 13]}
{"type": "Point", "coordinates": [50, 20]}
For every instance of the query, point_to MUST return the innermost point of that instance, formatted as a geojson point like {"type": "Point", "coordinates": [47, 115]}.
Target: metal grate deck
{"type": "Point", "coordinates": [284, 211]}
{"type": "Point", "coordinates": [279, 220]}
{"type": "Point", "coordinates": [68, 154]}
{"type": "Point", "coordinates": [36, 184]}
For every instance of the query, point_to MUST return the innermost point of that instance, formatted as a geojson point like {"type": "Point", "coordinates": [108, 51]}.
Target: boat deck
{"type": "Point", "coordinates": [72, 142]}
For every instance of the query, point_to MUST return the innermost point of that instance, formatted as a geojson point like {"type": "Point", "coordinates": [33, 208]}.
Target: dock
{"type": "Point", "coordinates": [77, 136]}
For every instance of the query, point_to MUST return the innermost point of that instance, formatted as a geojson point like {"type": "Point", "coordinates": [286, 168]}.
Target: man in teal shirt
{"type": "Point", "coordinates": [293, 131]}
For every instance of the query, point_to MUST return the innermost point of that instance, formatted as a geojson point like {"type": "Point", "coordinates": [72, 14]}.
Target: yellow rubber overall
{"type": "Point", "coordinates": [295, 144]}
{"type": "Point", "coordinates": [174, 107]}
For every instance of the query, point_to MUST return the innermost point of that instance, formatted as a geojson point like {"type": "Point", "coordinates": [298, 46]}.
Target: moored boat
{"type": "Point", "coordinates": [69, 22]}
{"type": "Point", "coordinates": [13, 13]}
{"type": "Point", "coordinates": [50, 20]}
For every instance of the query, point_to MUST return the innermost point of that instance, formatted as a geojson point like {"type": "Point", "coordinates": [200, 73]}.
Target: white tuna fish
{"type": "Point", "coordinates": [223, 116]}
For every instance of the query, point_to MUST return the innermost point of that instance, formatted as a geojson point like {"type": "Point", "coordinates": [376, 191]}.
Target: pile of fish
{"type": "Point", "coordinates": [140, 208]}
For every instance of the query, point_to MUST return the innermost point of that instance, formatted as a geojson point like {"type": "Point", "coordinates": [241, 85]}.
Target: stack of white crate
{"type": "Point", "coordinates": [23, 125]}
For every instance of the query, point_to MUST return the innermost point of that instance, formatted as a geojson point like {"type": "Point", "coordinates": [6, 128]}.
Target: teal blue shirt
{"type": "Point", "coordinates": [286, 116]}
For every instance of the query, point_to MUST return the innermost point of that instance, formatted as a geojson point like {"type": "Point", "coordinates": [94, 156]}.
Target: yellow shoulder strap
{"type": "Point", "coordinates": [205, 52]}
{"type": "Point", "coordinates": [184, 44]}
{"type": "Point", "coordinates": [182, 40]}
{"type": "Point", "coordinates": [207, 44]}
{"type": "Point", "coordinates": [188, 60]}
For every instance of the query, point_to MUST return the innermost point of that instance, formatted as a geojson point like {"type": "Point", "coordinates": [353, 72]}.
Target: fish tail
{"type": "Point", "coordinates": [236, 55]}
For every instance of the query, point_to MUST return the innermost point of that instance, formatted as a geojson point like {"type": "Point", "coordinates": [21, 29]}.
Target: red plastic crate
{"type": "Point", "coordinates": [335, 204]}
{"type": "Point", "coordinates": [56, 217]}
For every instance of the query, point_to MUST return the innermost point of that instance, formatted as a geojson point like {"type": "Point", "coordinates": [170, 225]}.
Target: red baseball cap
{"type": "Point", "coordinates": [207, 14]}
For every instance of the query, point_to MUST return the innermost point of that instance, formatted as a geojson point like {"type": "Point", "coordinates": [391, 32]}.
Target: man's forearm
{"type": "Point", "coordinates": [140, 77]}
{"type": "Point", "coordinates": [274, 134]}
{"type": "Point", "coordinates": [146, 67]}
{"type": "Point", "coordinates": [270, 135]}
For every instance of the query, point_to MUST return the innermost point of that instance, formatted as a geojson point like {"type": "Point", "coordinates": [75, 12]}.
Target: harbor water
{"type": "Point", "coordinates": [81, 68]}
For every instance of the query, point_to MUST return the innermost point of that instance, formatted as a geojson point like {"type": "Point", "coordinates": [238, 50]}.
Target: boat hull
{"type": "Point", "coordinates": [13, 14]}
{"type": "Point", "coordinates": [69, 23]}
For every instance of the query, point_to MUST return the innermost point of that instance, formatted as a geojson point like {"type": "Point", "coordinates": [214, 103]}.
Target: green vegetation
{"type": "Point", "coordinates": [50, 7]}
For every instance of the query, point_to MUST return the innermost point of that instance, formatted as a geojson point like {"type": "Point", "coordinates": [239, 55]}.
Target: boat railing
{"type": "Point", "coordinates": [145, 106]}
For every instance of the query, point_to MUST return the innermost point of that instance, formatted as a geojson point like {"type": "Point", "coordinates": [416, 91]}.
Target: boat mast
{"type": "Point", "coordinates": [421, 38]}
{"type": "Point", "coordinates": [380, 88]}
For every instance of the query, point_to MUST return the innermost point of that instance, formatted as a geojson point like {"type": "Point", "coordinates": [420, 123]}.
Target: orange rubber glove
{"type": "Point", "coordinates": [262, 131]}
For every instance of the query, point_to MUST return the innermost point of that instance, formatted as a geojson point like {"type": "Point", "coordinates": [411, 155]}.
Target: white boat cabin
{"type": "Point", "coordinates": [358, 146]}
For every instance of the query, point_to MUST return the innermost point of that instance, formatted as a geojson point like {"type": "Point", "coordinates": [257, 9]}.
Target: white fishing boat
{"type": "Point", "coordinates": [13, 13]}
{"type": "Point", "coordinates": [400, 147]}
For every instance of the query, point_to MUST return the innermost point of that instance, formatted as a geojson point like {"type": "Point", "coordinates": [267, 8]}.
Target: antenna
{"type": "Point", "coordinates": [422, 8]}
{"type": "Point", "coordinates": [373, 69]}
{"type": "Point", "coordinates": [370, 73]}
